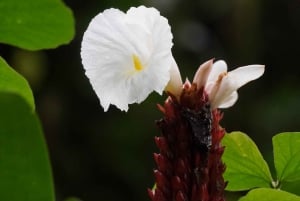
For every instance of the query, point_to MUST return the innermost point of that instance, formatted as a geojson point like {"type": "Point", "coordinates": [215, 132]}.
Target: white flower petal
{"type": "Point", "coordinates": [203, 73]}
{"type": "Point", "coordinates": [245, 74]}
{"type": "Point", "coordinates": [127, 56]}
{"type": "Point", "coordinates": [218, 68]}
{"type": "Point", "coordinates": [233, 81]}
{"type": "Point", "coordinates": [175, 84]}
{"type": "Point", "coordinates": [229, 101]}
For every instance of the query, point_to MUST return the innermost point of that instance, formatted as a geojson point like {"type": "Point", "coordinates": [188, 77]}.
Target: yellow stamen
{"type": "Point", "coordinates": [137, 63]}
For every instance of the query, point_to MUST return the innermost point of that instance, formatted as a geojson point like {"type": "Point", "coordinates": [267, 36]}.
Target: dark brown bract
{"type": "Point", "coordinates": [189, 166]}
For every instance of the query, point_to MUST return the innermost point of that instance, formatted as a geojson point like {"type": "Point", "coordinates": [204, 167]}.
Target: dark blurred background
{"type": "Point", "coordinates": [108, 156]}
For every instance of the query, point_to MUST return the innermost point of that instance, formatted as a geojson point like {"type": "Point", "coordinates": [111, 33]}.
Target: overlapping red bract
{"type": "Point", "coordinates": [184, 171]}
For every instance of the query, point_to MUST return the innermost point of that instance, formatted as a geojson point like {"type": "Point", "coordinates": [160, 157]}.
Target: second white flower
{"type": "Point", "coordinates": [127, 55]}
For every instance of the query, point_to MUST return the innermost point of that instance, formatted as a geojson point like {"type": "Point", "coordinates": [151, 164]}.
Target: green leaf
{"type": "Point", "coordinates": [245, 166]}
{"type": "Point", "coordinates": [25, 173]}
{"type": "Point", "coordinates": [12, 82]}
{"type": "Point", "coordinates": [267, 194]}
{"type": "Point", "coordinates": [35, 24]}
{"type": "Point", "coordinates": [287, 156]}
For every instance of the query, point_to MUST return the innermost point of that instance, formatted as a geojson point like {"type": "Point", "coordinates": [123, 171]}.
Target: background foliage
{"type": "Point", "coordinates": [246, 169]}
{"type": "Point", "coordinates": [25, 169]}
{"type": "Point", "coordinates": [108, 156]}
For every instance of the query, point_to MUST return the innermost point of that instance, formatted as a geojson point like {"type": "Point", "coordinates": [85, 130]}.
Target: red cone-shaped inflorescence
{"type": "Point", "coordinates": [189, 166]}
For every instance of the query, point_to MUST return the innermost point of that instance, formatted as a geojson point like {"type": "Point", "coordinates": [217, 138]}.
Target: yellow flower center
{"type": "Point", "coordinates": [137, 63]}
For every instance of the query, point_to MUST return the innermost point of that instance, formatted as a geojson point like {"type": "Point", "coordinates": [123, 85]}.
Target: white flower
{"type": "Point", "coordinates": [127, 55]}
{"type": "Point", "coordinates": [175, 84]}
{"type": "Point", "coordinates": [220, 85]}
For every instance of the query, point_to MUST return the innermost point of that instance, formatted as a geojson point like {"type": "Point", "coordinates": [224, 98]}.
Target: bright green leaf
{"type": "Point", "coordinates": [245, 166]}
{"type": "Point", "coordinates": [268, 194]}
{"type": "Point", "coordinates": [35, 24]}
{"type": "Point", "coordinates": [287, 156]}
{"type": "Point", "coordinates": [25, 173]}
{"type": "Point", "coordinates": [12, 82]}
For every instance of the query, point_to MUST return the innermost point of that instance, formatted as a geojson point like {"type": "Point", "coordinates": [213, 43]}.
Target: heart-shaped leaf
{"type": "Point", "coordinates": [287, 156]}
{"type": "Point", "coordinates": [245, 166]}
{"type": "Point", "coordinates": [268, 194]}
